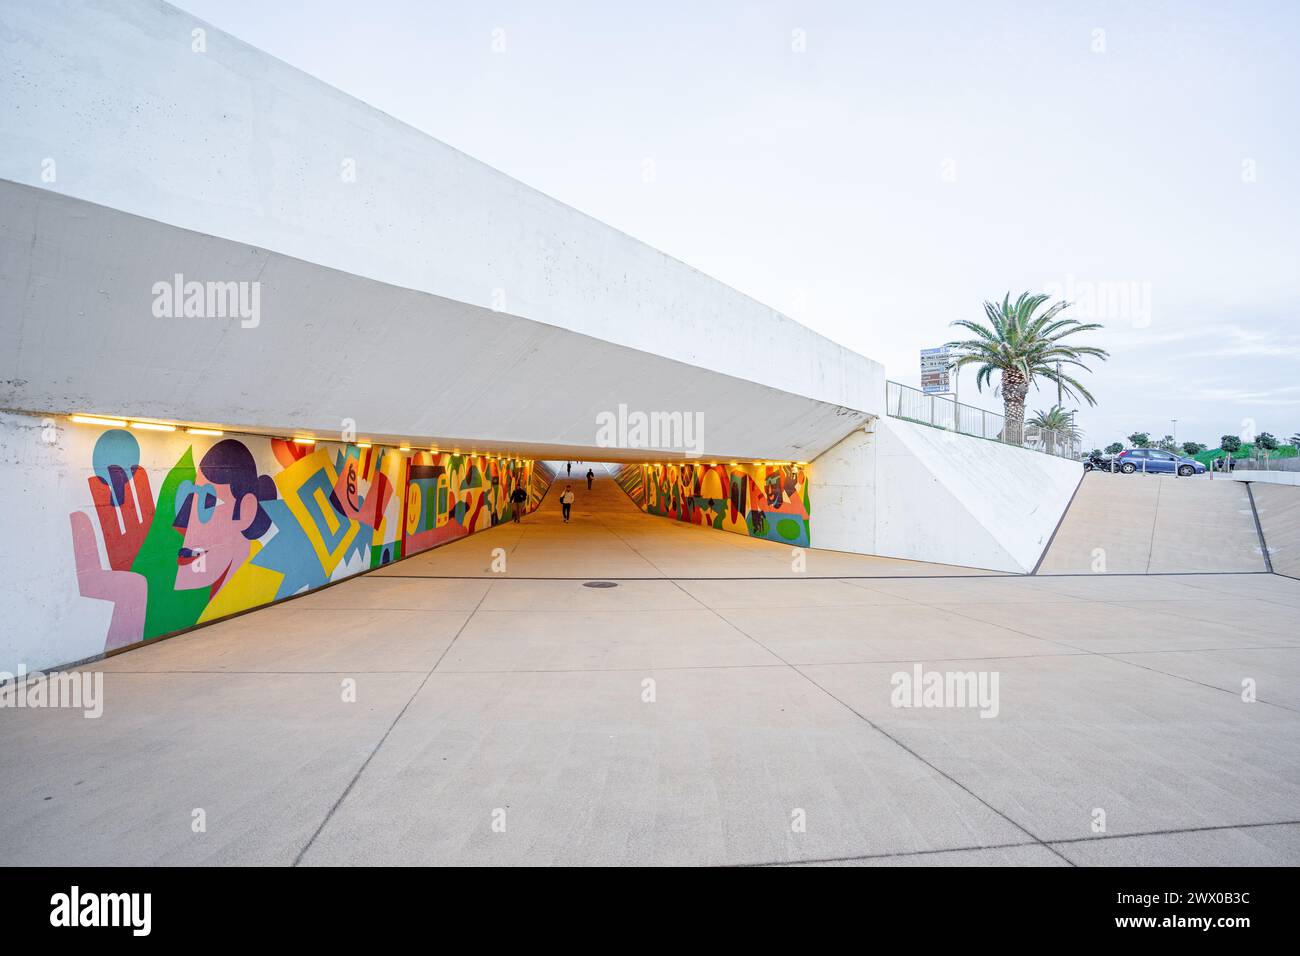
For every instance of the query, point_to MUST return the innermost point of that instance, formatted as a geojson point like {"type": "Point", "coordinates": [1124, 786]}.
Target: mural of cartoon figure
{"type": "Point", "coordinates": [220, 514]}
{"type": "Point", "coordinates": [223, 537]}
{"type": "Point", "coordinates": [353, 499]}
{"type": "Point", "coordinates": [775, 490]}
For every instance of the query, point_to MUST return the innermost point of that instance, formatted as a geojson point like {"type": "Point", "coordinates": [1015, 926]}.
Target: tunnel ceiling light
{"type": "Point", "coordinates": [95, 420]}
{"type": "Point", "coordinates": [363, 444]}
{"type": "Point", "coordinates": [205, 431]}
{"type": "Point", "coordinates": [304, 441]}
{"type": "Point", "coordinates": [154, 426]}
{"type": "Point", "coordinates": [404, 446]}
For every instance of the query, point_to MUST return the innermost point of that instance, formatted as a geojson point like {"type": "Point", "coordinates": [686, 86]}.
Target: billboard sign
{"type": "Point", "coordinates": [934, 370]}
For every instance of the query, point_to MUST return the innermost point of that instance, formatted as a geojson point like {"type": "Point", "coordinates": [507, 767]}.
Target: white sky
{"type": "Point", "coordinates": [815, 181]}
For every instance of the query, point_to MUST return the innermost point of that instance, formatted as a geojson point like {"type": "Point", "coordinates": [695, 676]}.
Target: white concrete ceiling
{"type": "Point", "coordinates": [78, 334]}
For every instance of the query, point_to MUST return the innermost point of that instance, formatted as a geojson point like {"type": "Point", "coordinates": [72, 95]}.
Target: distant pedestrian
{"type": "Point", "coordinates": [591, 476]}
{"type": "Point", "coordinates": [566, 501]}
{"type": "Point", "coordinates": [568, 469]}
{"type": "Point", "coordinates": [519, 498]}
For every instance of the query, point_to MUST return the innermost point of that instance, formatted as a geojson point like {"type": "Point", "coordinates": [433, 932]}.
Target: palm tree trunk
{"type": "Point", "coordinates": [1014, 390]}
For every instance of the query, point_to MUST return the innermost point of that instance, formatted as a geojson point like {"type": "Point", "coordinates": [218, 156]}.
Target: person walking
{"type": "Point", "coordinates": [591, 476]}
{"type": "Point", "coordinates": [566, 501]}
{"type": "Point", "coordinates": [519, 498]}
{"type": "Point", "coordinates": [568, 469]}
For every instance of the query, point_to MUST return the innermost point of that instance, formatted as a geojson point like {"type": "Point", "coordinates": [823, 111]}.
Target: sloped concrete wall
{"type": "Point", "coordinates": [911, 491]}
{"type": "Point", "coordinates": [1278, 506]}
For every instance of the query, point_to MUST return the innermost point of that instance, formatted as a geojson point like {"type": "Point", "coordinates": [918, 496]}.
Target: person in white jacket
{"type": "Point", "coordinates": [566, 501]}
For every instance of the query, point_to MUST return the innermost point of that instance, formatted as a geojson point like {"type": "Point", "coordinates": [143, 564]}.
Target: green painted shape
{"type": "Point", "coordinates": [167, 609]}
{"type": "Point", "coordinates": [789, 529]}
{"type": "Point", "coordinates": [394, 548]}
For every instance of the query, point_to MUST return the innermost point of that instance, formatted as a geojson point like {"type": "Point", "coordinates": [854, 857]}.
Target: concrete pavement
{"type": "Point", "coordinates": [609, 537]}
{"type": "Point", "coordinates": [712, 708]}
{"type": "Point", "coordinates": [1155, 524]}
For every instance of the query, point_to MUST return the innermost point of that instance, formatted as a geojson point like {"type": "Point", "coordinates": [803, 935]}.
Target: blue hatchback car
{"type": "Point", "coordinates": [1154, 461]}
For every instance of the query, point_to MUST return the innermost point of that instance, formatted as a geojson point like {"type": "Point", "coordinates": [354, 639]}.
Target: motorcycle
{"type": "Point", "coordinates": [1098, 463]}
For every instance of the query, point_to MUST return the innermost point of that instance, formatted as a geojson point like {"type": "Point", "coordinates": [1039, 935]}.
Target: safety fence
{"type": "Point", "coordinates": [943, 411]}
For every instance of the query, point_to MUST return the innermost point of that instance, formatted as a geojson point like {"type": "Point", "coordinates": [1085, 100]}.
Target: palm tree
{"type": "Point", "coordinates": [1056, 421]}
{"type": "Point", "coordinates": [1021, 346]}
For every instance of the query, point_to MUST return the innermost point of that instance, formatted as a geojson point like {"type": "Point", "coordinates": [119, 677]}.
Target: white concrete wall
{"type": "Point", "coordinates": [926, 494]}
{"type": "Point", "coordinates": [235, 144]}
{"type": "Point", "coordinates": [843, 493]}
{"type": "Point", "coordinates": [1268, 477]}
{"type": "Point", "coordinates": [77, 334]}
{"type": "Point", "coordinates": [46, 621]}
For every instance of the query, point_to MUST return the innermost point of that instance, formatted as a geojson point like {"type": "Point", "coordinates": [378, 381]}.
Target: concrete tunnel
{"type": "Point", "coordinates": [270, 305]}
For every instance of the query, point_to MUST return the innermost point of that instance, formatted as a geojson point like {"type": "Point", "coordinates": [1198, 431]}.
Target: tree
{"type": "Point", "coordinates": [1167, 444]}
{"type": "Point", "coordinates": [1266, 441]}
{"type": "Point", "coordinates": [1191, 448]}
{"type": "Point", "coordinates": [1294, 439]}
{"type": "Point", "coordinates": [1055, 423]}
{"type": "Point", "coordinates": [1114, 448]}
{"type": "Point", "coordinates": [1095, 453]}
{"type": "Point", "coordinates": [1230, 444]}
{"type": "Point", "coordinates": [1021, 345]}
{"type": "Point", "coordinates": [1140, 440]}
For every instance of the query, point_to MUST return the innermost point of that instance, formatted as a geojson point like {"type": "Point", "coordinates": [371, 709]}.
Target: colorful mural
{"type": "Point", "coordinates": [242, 522]}
{"type": "Point", "coordinates": [762, 501]}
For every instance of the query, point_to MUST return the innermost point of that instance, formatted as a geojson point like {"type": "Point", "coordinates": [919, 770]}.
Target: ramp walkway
{"type": "Point", "coordinates": [1155, 524]}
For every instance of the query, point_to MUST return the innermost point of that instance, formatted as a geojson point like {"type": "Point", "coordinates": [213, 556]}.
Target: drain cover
{"type": "Point", "coordinates": [599, 584]}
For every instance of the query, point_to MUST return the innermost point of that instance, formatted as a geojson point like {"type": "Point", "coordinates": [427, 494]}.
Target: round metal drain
{"type": "Point", "coordinates": [599, 584]}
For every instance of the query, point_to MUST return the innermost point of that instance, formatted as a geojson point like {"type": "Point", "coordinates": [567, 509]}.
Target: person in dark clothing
{"type": "Point", "coordinates": [568, 469]}
{"type": "Point", "coordinates": [591, 476]}
{"type": "Point", "coordinates": [519, 498]}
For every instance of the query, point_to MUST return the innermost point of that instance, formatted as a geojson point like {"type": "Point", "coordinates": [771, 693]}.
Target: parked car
{"type": "Point", "coordinates": [1155, 461]}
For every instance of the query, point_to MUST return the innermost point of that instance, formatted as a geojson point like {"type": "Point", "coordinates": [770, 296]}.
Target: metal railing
{"type": "Point", "coordinates": [941, 411]}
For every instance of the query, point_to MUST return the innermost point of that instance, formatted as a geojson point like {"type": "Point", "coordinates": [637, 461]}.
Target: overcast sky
{"type": "Point", "coordinates": [876, 170]}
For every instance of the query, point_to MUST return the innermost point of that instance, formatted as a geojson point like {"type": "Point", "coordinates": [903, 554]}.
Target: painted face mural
{"type": "Point", "coordinates": [361, 492]}
{"type": "Point", "coordinates": [261, 519]}
{"type": "Point", "coordinates": [220, 514]}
